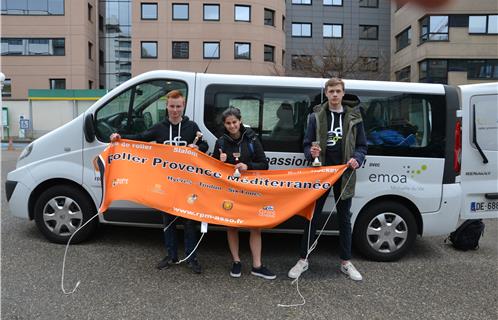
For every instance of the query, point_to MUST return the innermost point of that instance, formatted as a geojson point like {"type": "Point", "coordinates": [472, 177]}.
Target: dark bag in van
{"type": "Point", "coordinates": [467, 235]}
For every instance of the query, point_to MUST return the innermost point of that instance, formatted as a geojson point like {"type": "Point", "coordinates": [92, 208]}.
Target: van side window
{"type": "Point", "coordinates": [136, 109]}
{"type": "Point", "coordinates": [277, 115]}
{"type": "Point", "coordinates": [486, 121]}
{"type": "Point", "coordinates": [403, 124]}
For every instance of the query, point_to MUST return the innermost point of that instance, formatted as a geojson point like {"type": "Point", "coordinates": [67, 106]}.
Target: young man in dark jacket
{"type": "Point", "coordinates": [339, 131]}
{"type": "Point", "coordinates": [176, 130]}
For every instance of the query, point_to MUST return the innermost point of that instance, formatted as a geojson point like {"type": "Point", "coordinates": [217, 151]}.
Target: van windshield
{"type": "Point", "coordinates": [136, 109]}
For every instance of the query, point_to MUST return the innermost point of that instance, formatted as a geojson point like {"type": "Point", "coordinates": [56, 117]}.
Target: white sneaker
{"type": "Point", "coordinates": [300, 267]}
{"type": "Point", "coordinates": [349, 270]}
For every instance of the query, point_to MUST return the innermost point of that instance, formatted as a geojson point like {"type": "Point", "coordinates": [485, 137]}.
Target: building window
{"type": "Point", "coordinates": [369, 32]}
{"type": "Point", "coordinates": [301, 62]}
{"type": "Point", "coordinates": [57, 84]}
{"type": "Point", "coordinates": [483, 24]}
{"type": "Point", "coordinates": [242, 50]}
{"type": "Point", "coordinates": [180, 11]}
{"type": "Point", "coordinates": [306, 2]}
{"type": "Point", "coordinates": [90, 50]}
{"type": "Point", "coordinates": [7, 88]}
{"type": "Point", "coordinates": [433, 71]}
{"type": "Point", "coordinates": [369, 3]}
{"type": "Point", "coordinates": [269, 17]}
{"type": "Point", "coordinates": [242, 13]}
{"type": "Point", "coordinates": [33, 47]}
{"type": "Point", "coordinates": [403, 75]}
{"type": "Point", "coordinates": [332, 31]}
{"type": "Point", "coordinates": [101, 58]}
{"type": "Point", "coordinates": [301, 29]}
{"type": "Point", "coordinates": [211, 50]}
{"type": "Point", "coordinates": [34, 8]}
{"type": "Point", "coordinates": [180, 49]}
{"type": "Point", "coordinates": [332, 3]}
{"type": "Point", "coordinates": [90, 13]}
{"type": "Point", "coordinates": [404, 39]}
{"type": "Point", "coordinates": [90, 84]}
{"type": "Point", "coordinates": [149, 49]}
{"type": "Point", "coordinates": [212, 12]}
{"type": "Point", "coordinates": [434, 28]}
{"type": "Point", "coordinates": [101, 23]}
{"type": "Point", "coordinates": [483, 69]}
{"type": "Point", "coordinates": [369, 64]}
{"type": "Point", "coordinates": [269, 54]}
{"type": "Point", "coordinates": [149, 11]}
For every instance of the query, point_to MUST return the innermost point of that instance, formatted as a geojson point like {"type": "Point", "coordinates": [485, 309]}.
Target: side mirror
{"type": "Point", "coordinates": [89, 128]}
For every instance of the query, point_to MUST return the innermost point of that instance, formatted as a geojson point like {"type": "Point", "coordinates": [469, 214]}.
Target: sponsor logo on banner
{"type": "Point", "coordinates": [119, 181]}
{"type": "Point", "coordinates": [267, 211]}
{"type": "Point", "coordinates": [157, 188]}
{"type": "Point", "coordinates": [227, 205]}
{"type": "Point", "coordinates": [96, 170]}
{"type": "Point", "coordinates": [192, 198]}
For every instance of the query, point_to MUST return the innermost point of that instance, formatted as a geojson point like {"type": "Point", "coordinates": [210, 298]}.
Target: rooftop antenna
{"type": "Point", "coordinates": [211, 59]}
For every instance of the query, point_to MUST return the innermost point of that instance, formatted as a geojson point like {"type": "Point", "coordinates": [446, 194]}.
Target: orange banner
{"type": "Point", "coordinates": [188, 183]}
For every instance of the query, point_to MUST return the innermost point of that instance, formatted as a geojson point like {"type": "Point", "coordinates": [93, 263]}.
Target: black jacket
{"type": "Point", "coordinates": [255, 159]}
{"type": "Point", "coordinates": [161, 131]}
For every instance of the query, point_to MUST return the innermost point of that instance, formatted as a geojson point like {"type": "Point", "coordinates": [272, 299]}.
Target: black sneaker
{"type": "Point", "coordinates": [166, 263]}
{"type": "Point", "coordinates": [195, 266]}
{"type": "Point", "coordinates": [263, 272]}
{"type": "Point", "coordinates": [236, 269]}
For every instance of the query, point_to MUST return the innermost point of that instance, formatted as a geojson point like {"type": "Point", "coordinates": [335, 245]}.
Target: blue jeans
{"type": "Point", "coordinates": [344, 215]}
{"type": "Point", "coordinates": [171, 241]}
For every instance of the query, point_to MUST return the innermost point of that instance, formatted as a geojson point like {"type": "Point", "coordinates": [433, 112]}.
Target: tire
{"type": "Point", "coordinates": [62, 209]}
{"type": "Point", "coordinates": [385, 231]}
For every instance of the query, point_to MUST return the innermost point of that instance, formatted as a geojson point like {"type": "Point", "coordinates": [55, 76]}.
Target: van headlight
{"type": "Point", "coordinates": [26, 152]}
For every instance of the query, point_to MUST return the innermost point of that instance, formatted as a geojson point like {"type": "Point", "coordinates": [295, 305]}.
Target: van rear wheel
{"type": "Point", "coordinates": [61, 210]}
{"type": "Point", "coordinates": [385, 231]}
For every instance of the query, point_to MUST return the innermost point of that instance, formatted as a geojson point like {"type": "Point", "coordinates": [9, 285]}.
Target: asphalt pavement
{"type": "Point", "coordinates": [119, 280]}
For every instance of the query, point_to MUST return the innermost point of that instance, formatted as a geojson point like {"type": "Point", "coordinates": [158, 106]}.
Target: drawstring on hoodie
{"type": "Point", "coordinates": [178, 133]}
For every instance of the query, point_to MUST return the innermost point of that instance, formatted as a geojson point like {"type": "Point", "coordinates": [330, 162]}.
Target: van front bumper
{"type": "Point", "coordinates": [10, 186]}
{"type": "Point", "coordinates": [17, 197]}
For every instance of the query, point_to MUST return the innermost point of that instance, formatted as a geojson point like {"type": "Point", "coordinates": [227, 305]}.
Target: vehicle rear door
{"type": "Point", "coordinates": [479, 173]}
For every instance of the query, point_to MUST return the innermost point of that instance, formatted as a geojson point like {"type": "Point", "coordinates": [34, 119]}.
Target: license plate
{"type": "Point", "coordinates": [484, 206]}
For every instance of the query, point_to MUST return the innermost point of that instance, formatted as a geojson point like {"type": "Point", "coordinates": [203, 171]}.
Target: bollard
{"type": "Point", "coordinates": [11, 145]}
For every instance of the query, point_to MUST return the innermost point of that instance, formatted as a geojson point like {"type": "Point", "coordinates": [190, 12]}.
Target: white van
{"type": "Point", "coordinates": [409, 185]}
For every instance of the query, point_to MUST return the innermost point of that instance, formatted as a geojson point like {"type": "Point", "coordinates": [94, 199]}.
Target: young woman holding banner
{"type": "Point", "coordinates": [239, 146]}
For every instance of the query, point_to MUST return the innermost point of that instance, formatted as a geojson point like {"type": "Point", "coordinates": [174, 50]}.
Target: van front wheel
{"type": "Point", "coordinates": [61, 210]}
{"type": "Point", "coordinates": [385, 231]}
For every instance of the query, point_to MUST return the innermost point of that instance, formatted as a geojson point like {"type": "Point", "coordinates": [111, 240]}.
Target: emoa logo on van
{"type": "Point", "coordinates": [387, 178]}
{"type": "Point", "coordinates": [397, 178]}
{"type": "Point", "coordinates": [415, 172]}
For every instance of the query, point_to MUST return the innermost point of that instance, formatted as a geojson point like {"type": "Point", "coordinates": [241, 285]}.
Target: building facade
{"type": "Point", "coordinates": [456, 44]}
{"type": "Point", "coordinates": [48, 44]}
{"type": "Point", "coordinates": [88, 44]}
{"type": "Point", "coordinates": [350, 39]}
{"type": "Point", "coordinates": [237, 37]}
